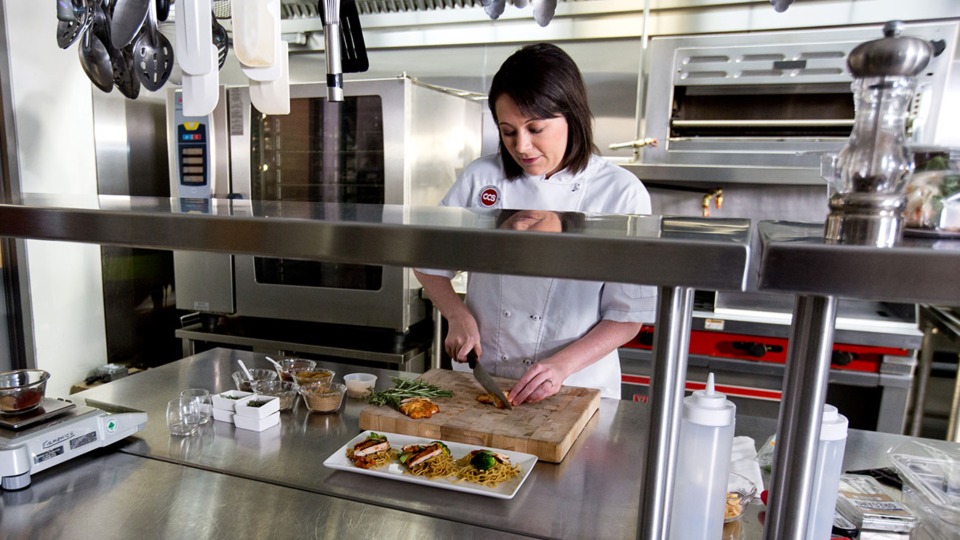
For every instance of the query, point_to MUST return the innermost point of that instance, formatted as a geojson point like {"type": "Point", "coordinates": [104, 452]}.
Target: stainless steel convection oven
{"type": "Point", "coordinates": [391, 141]}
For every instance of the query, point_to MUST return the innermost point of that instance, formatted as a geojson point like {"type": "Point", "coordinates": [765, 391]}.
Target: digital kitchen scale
{"type": "Point", "coordinates": [58, 431]}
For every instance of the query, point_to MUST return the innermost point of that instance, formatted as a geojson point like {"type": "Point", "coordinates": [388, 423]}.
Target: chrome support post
{"type": "Point", "coordinates": [801, 410]}
{"type": "Point", "coordinates": [671, 345]}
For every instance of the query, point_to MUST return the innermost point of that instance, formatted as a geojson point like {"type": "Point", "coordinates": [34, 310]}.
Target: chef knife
{"type": "Point", "coordinates": [485, 379]}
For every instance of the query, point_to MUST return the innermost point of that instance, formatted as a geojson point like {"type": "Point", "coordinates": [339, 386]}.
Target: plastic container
{"type": "Point", "coordinates": [359, 385]}
{"type": "Point", "coordinates": [703, 465]}
{"type": "Point", "coordinates": [826, 480]}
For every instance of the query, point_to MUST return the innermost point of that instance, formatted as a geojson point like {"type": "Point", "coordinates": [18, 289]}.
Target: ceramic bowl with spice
{"type": "Point", "coordinates": [359, 385]}
{"type": "Point", "coordinates": [289, 367]}
{"type": "Point", "coordinates": [243, 384]}
{"type": "Point", "coordinates": [318, 375]}
{"type": "Point", "coordinates": [323, 397]}
{"type": "Point", "coordinates": [257, 406]}
{"type": "Point", "coordinates": [284, 390]}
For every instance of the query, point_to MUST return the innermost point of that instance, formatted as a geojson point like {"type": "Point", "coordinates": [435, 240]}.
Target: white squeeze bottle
{"type": "Point", "coordinates": [833, 440]}
{"type": "Point", "coordinates": [703, 465]}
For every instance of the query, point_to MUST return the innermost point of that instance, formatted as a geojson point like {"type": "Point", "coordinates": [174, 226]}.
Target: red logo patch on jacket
{"type": "Point", "coordinates": [489, 197]}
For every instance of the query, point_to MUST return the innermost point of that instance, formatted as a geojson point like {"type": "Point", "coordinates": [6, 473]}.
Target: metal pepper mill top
{"type": "Point", "coordinates": [872, 168]}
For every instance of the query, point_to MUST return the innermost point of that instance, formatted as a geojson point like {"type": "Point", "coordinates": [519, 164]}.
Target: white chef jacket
{"type": "Point", "coordinates": [524, 319]}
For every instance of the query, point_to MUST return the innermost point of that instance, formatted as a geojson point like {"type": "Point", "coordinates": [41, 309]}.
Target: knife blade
{"type": "Point", "coordinates": [485, 380]}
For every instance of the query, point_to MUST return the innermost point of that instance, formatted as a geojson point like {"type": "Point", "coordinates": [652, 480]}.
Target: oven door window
{"type": "Point", "coordinates": [321, 152]}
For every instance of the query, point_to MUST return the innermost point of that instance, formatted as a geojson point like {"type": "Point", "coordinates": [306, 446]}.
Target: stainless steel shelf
{"type": "Point", "coordinates": [651, 250]}
{"type": "Point", "coordinates": [796, 260]}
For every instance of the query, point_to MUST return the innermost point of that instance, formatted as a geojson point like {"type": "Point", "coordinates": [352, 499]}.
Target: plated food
{"type": "Point", "coordinates": [370, 453]}
{"type": "Point", "coordinates": [486, 467]}
{"type": "Point", "coordinates": [430, 460]}
{"type": "Point", "coordinates": [445, 465]}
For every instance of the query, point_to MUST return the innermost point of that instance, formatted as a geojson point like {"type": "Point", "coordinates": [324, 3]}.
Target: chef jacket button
{"type": "Point", "coordinates": [527, 362]}
{"type": "Point", "coordinates": [504, 358]}
{"type": "Point", "coordinates": [506, 313]}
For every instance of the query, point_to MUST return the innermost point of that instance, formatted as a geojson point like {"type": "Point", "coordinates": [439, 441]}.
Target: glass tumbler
{"type": "Point", "coordinates": [204, 402]}
{"type": "Point", "coordinates": [183, 416]}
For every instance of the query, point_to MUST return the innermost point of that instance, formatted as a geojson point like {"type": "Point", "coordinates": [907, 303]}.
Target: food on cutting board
{"type": "Point", "coordinates": [406, 392]}
{"type": "Point", "coordinates": [419, 407]}
{"type": "Point", "coordinates": [370, 453]}
{"type": "Point", "coordinates": [431, 460]}
{"type": "Point", "coordinates": [486, 467]}
{"type": "Point", "coordinates": [491, 399]}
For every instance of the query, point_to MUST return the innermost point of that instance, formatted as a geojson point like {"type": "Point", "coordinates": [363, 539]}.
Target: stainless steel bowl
{"type": "Point", "coordinates": [22, 390]}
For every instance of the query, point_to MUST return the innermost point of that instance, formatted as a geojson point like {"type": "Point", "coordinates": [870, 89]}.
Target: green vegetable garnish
{"type": "Point", "coordinates": [483, 460]}
{"type": "Point", "coordinates": [406, 388]}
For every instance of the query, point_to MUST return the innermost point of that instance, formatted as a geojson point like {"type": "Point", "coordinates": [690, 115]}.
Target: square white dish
{"type": "Point", "coordinates": [222, 415]}
{"type": "Point", "coordinates": [226, 401]}
{"type": "Point", "coordinates": [395, 471]}
{"type": "Point", "coordinates": [256, 424]}
{"type": "Point", "coordinates": [271, 405]}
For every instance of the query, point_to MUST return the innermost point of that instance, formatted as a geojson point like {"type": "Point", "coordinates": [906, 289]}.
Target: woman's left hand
{"type": "Point", "coordinates": [538, 383]}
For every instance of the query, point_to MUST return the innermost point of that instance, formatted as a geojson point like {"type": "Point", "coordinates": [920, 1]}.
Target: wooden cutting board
{"type": "Point", "coordinates": [547, 429]}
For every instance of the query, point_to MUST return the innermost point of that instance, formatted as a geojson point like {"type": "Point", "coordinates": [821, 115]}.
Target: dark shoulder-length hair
{"type": "Point", "coordinates": [545, 82]}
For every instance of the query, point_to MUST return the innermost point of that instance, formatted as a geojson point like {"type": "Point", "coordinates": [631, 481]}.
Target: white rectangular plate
{"type": "Point", "coordinates": [396, 471]}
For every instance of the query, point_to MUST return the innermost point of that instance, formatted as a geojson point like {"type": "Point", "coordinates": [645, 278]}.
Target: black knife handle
{"type": "Point", "coordinates": [472, 359]}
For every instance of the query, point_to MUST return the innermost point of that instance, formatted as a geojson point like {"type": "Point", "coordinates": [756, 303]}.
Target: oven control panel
{"type": "Point", "coordinates": [193, 159]}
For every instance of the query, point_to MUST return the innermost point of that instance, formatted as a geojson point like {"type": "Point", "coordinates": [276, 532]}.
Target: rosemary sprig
{"type": "Point", "coordinates": [406, 388]}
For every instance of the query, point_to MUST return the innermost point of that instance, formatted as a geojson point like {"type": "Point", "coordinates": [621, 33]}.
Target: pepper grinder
{"type": "Point", "coordinates": [872, 168]}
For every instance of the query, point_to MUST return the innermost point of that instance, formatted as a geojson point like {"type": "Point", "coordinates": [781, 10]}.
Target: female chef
{"type": "Point", "coordinates": [545, 332]}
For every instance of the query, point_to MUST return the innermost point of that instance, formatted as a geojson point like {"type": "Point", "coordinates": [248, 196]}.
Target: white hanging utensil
{"type": "Point", "coordinates": [273, 97]}
{"type": "Point", "coordinates": [201, 93]}
{"type": "Point", "coordinates": [271, 72]}
{"type": "Point", "coordinates": [254, 29]}
{"type": "Point", "coordinates": [194, 39]}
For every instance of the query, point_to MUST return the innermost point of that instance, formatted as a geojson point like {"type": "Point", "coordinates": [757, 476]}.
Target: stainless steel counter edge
{"type": "Point", "coordinates": [652, 250]}
{"type": "Point", "coordinates": [108, 495]}
{"type": "Point", "coordinates": [797, 260]}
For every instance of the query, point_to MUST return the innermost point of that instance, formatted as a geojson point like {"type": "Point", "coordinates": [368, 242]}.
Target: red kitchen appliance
{"type": "Point", "coordinates": [874, 356]}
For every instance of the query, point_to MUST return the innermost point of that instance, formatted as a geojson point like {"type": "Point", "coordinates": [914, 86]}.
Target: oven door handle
{"type": "Point", "coordinates": [826, 122]}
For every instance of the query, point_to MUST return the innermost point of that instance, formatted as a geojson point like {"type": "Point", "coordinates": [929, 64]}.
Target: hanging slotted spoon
{"type": "Point", "coordinates": [152, 54]}
{"type": "Point", "coordinates": [124, 75]}
{"type": "Point", "coordinates": [69, 31]}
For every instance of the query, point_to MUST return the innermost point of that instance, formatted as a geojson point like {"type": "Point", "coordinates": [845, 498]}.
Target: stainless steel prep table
{"type": "Point", "coordinates": [593, 493]}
